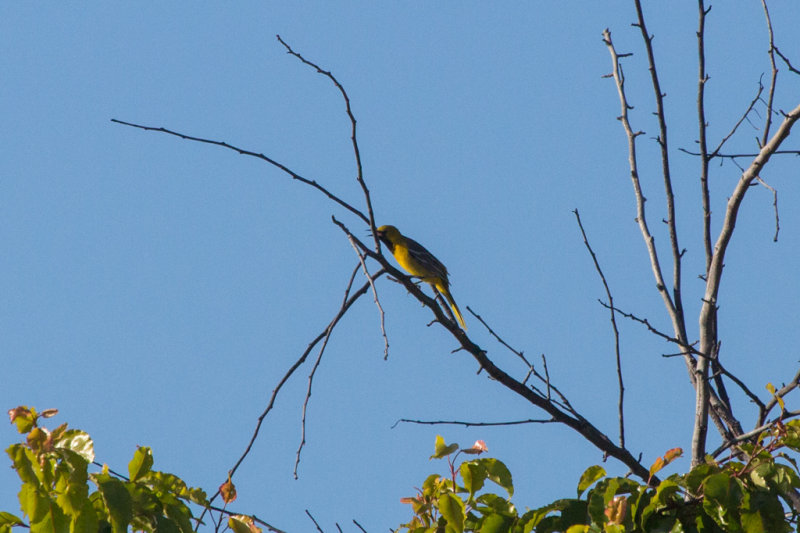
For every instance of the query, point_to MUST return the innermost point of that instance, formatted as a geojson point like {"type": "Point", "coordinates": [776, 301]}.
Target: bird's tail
{"type": "Point", "coordinates": [453, 306]}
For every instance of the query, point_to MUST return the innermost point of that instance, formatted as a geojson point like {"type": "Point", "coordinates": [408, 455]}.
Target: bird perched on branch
{"type": "Point", "coordinates": [419, 262]}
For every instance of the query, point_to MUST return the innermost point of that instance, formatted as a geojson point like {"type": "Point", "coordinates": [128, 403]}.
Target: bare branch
{"type": "Point", "coordinates": [786, 60]}
{"type": "Point", "coordinates": [375, 296]}
{"type": "Point", "coordinates": [701, 116]}
{"type": "Point", "coordinates": [271, 403]}
{"type": "Point", "coordinates": [620, 411]}
{"type": "Point", "coordinates": [708, 311]}
{"type": "Point", "coordinates": [716, 152]}
{"type": "Point", "coordinates": [755, 399]}
{"type": "Point", "coordinates": [570, 419]}
{"type": "Point", "coordinates": [313, 372]}
{"type": "Point", "coordinates": [315, 522]}
{"type": "Point", "coordinates": [754, 433]}
{"type": "Point", "coordinates": [675, 307]}
{"type": "Point", "coordinates": [518, 353]}
{"type": "Point", "coordinates": [701, 368]}
{"type": "Point", "coordinates": [746, 155]}
{"type": "Point", "coordinates": [773, 77]}
{"type": "Point", "coordinates": [356, 151]}
{"type": "Point", "coordinates": [242, 151]}
{"type": "Point", "coordinates": [774, 205]}
{"type": "Point", "coordinates": [473, 424]}
{"type": "Point", "coordinates": [641, 219]}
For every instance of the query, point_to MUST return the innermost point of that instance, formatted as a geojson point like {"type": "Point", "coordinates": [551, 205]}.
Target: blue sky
{"type": "Point", "coordinates": [155, 290]}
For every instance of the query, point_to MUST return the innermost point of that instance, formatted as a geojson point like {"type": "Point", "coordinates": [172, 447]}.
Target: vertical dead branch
{"type": "Point", "coordinates": [701, 382]}
{"type": "Point", "coordinates": [702, 78]}
{"type": "Point", "coordinates": [676, 314]}
{"type": "Point", "coordinates": [708, 312]}
{"type": "Point", "coordinates": [773, 77]}
{"type": "Point", "coordinates": [720, 414]}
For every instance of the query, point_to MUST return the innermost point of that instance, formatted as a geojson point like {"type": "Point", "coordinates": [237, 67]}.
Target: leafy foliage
{"type": "Point", "coordinates": [728, 496]}
{"type": "Point", "coordinates": [55, 496]}
{"type": "Point", "coordinates": [752, 491]}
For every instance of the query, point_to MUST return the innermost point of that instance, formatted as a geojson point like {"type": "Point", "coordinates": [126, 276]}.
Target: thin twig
{"type": "Point", "coordinates": [620, 410]}
{"type": "Point", "coordinates": [716, 152]}
{"type": "Point", "coordinates": [518, 353]}
{"type": "Point", "coordinates": [641, 219]}
{"type": "Point", "coordinates": [294, 175]}
{"type": "Point", "coordinates": [774, 205]}
{"type": "Point", "coordinates": [675, 305]}
{"type": "Point", "coordinates": [359, 526]}
{"type": "Point", "coordinates": [773, 76]}
{"type": "Point", "coordinates": [315, 522]}
{"type": "Point", "coordinates": [271, 403]}
{"type": "Point", "coordinates": [702, 141]}
{"type": "Point", "coordinates": [744, 155]}
{"type": "Point", "coordinates": [313, 372]}
{"type": "Point", "coordinates": [750, 434]}
{"type": "Point", "coordinates": [471, 424]}
{"type": "Point", "coordinates": [351, 116]}
{"type": "Point", "coordinates": [786, 60]}
{"type": "Point", "coordinates": [208, 507]}
{"type": "Point", "coordinates": [381, 313]}
{"type": "Point", "coordinates": [688, 348]}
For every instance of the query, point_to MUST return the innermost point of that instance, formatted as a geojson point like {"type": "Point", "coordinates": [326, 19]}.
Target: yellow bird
{"type": "Point", "coordinates": [419, 262]}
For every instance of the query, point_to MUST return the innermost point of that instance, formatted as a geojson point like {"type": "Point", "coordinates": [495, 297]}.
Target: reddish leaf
{"type": "Point", "coordinates": [228, 491]}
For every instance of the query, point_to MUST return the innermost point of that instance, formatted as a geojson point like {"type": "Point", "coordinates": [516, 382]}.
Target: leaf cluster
{"type": "Point", "coordinates": [55, 495]}
{"type": "Point", "coordinates": [751, 492]}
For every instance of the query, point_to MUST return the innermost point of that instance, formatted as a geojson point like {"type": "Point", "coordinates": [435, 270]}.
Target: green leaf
{"type": "Point", "coordinates": [141, 463]}
{"type": "Point", "coordinates": [589, 476]}
{"type": "Point", "coordinates": [23, 461]}
{"type": "Point", "coordinates": [53, 521]}
{"type": "Point", "coordinates": [441, 449]}
{"type": "Point", "coordinates": [85, 521]}
{"type": "Point", "coordinates": [495, 523]}
{"type": "Point", "coordinates": [452, 509]}
{"type": "Point", "coordinates": [240, 524]}
{"type": "Point", "coordinates": [33, 502]}
{"type": "Point", "coordinates": [698, 474]}
{"type": "Point", "coordinates": [79, 442]}
{"type": "Point", "coordinates": [722, 495]}
{"type": "Point", "coordinates": [762, 513]}
{"type": "Point", "coordinates": [7, 520]}
{"type": "Point", "coordinates": [495, 504]}
{"type": "Point", "coordinates": [499, 473]}
{"type": "Point", "coordinates": [473, 475]}
{"type": "Point", "coordinates": [180, 514]}
{"type": "Point", "coordinates": [117, 500]}
{"type": "Point", "coordinates": [167, 525]}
